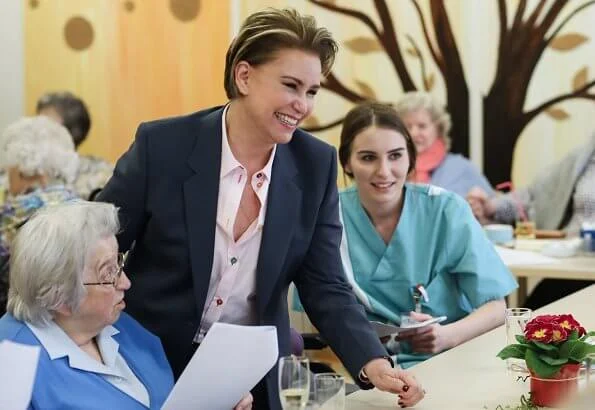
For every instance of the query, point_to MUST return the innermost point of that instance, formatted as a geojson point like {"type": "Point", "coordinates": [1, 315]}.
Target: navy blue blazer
{"type": "Point", "coordinates": [166, 187]}
{"type": "Point", "coordinates": [59, 386]}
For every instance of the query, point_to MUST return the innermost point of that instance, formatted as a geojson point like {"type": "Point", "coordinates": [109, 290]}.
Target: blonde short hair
{"type": "Point", "coordinates": [266, 32]}
{"type": "Point", "coordinates": [39, 146]}
{"type": "Point", "coordinates": [419, 100]}
{"type": "Point", "coordinates": [49, 254]}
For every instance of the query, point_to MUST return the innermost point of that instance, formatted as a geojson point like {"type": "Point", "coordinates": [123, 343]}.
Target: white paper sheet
{"type": "Point", "coordinates": [18, 365]}
{"type": "Point", "coordinates": [230, 361]}
{"type": "Point", "coordinates": [513, 257]}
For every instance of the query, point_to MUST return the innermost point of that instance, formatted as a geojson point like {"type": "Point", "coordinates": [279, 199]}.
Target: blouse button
{"type": "Point", "coordinates": [219, 301]}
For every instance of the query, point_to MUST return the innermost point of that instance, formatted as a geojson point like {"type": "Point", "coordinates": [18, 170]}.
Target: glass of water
{"type": "Point", "coordinates": [329, 391]}
{"type": "Point", "coordinates": [516, 319]}
{"type": "Point", "coordinates": [294, 382]}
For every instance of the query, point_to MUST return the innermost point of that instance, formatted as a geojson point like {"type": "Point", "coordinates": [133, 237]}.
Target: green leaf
{"type": "Point", "coordinates": [544, 346]}
{"type": "Point", "coordinates": [512, 351]}
{"type": "Point", "coordinates": [580, 350]}
{"type": "Point", "coordinates": [553, 361]}
{"type": "Point", "coordinates": [573, 335]}
{"type": "Point", "coordinates": [521, 339]}
{"type": "Point", "coordinates": [538, 366]}
{"type": "Point", "coordinates": [565, 348]}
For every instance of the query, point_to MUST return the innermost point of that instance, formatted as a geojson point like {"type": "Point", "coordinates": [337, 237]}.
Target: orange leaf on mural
{"type": "Point", "coordinates": [580, 78]}
{"type": "Point", "coordinates": [429, 82]}
{"type": "Point", "coordinates": [412, 52]}
{"type": "Point", "coordinates": [568, 42]}
{"type": "Point", "coordinates": [366, 90]}
{"type": "Point", "coordinates": [363, 45]}
{"type": "Point", "coordinates": [557, 114]}
{"type": "Point", "coordinates": [311, 121]}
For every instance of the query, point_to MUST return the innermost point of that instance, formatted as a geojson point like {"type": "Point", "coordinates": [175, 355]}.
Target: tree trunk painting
{"type": "Point", "coordinates": [521, 46]}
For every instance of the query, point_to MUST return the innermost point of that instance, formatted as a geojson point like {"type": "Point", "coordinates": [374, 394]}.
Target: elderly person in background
{"type": "Point", "coordinates": [429, 125]}
{"type": "Point", "coordinates": [561, 197]}
{"type": "Point", "coordinates": [70, 111]}
{"type": "Point", "coordinates": [39, 159]}
{"type": "Point", "coordinates": [67, 296]}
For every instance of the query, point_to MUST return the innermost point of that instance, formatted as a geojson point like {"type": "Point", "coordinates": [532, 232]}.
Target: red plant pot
{"type": "Point", "coordinates": [556, 390]}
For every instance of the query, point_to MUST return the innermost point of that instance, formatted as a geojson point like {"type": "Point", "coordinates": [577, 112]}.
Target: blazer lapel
{"type": "Point", "coordinates": [283, 203]}
{"type": "Point", "coordinates": [201, 193]}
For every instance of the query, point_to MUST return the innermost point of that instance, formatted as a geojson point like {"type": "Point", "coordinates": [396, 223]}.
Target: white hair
{"type": "Point", "coordinates": [49, 254]}
{"type": "Point", "coordinates": [39, 146]}
{"type": "Point", "coordinates": [418, 100]}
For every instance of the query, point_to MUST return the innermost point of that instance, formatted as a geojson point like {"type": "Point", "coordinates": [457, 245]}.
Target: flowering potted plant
{"type": "Point", "coordinates": [553, 348]}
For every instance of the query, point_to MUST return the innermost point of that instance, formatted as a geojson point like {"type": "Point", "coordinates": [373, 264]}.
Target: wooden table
{"type": "Point", "coordinates": [470, 376]}
{"type": "Point", "coordinates": [578, 268]}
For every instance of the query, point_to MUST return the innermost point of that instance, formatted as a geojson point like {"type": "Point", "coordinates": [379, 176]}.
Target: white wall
{"type": "Point", "coordinates": [12, 66]}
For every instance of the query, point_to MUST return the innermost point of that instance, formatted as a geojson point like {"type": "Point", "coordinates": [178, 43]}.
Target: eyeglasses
{"type": "Point", "coordinates": [115, 275]}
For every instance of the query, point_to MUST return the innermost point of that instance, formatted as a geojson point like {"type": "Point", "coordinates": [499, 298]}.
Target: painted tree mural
{"type": "Point", "coordinates": [521, 46]}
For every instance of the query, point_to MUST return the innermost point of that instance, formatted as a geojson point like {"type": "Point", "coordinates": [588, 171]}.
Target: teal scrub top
{"type": "Point", "coordinates": [437, 243]}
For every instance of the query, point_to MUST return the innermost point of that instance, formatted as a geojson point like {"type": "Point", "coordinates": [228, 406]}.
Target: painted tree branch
{"type": "Point", "coordinates": [578, 93]}
{"type": "Point", "coordinates": [551, 16]}
{"type": "Point", "coordinates": [437, 59]}
{"type": "Point", "coordinates": [422, 61]}
{"type": "Point", "coordinates": [518, 18]}
{"type": "Point", "coordinates": [364, 18]}
{"type": "Point", "coordinates": [536, 13]}
{"type": "Point", "coordinates": [549, 39]}
{"type": "Point", "coordinates": [452, 66]}
{"type": "Point", "coordinates": [390, 43]}
{"type": "Point", "coordinates": [332, 83]}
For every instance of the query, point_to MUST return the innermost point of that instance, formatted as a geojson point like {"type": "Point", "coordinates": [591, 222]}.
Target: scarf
{"type": "Point", "coordinates": [428, 161]}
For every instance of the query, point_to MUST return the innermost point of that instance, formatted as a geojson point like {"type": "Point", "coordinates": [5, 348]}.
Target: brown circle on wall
{"type": "Point", "coordinates": [33, 3]}
{"type": "Point", "coordinates": [129, 6]}
{"type": "Point", "coordinates": [184, 10]}
{"type": "Point", "coordinates": [78, 33]}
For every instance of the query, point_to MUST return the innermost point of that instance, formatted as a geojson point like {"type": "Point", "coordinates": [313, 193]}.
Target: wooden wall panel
{"type": "Point", "coordinates": [143, 62]}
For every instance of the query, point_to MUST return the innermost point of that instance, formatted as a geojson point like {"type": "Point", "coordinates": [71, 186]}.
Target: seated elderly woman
{"type": "Point", "coordinates": [561, 197]}
{"type": "Point", "coordinates": [39, 159]}
{"type": "Point", "coordinates": [69, 110]}
{"type": "Point", "coordinates": [429, 125]}
{"type": "Point", "coordinates": [413, 251]}
{"type": "Point", "coordinates": [67, 296]}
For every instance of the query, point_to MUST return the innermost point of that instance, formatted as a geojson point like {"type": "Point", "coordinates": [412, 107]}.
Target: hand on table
{"type": "Point", "coordinates": [398, 381]}
{"type": "Point", "coordinates": [432, 339]}
{"type": "Point", "coordinates": [480, 205]}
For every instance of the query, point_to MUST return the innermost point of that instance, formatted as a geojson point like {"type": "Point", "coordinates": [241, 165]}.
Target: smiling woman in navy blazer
{"type": "Point", "coordinates": [229, 205]}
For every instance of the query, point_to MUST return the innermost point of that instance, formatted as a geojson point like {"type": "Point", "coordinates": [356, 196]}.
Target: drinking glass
{"type": "Point", "coordinates": [329, 391]}
{"type": "Point", "coordinates": [294, 382]}
{"type": "Point", "coordinates": [516, 319]}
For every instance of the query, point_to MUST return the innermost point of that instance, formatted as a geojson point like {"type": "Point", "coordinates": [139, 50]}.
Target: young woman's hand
{"type": "Point", "coordinates": [431, 339]}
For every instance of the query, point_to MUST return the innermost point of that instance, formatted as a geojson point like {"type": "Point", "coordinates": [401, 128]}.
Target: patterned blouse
{"type": "Point", "coordinates": [92, 175]}
{"type": "Point", "coordinates": [13, 214]}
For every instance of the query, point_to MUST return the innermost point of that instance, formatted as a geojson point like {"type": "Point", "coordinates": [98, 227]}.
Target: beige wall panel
{"type": "Point", "coordinates": [143, 64]}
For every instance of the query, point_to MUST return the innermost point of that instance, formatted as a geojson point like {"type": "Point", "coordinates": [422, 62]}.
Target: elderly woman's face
{"type": "Point", "coordinates": [422, 129]}
{"type": "Point", "coordinates": [19, 183]}
{"type": "Point", "coordinates": [103, 303]}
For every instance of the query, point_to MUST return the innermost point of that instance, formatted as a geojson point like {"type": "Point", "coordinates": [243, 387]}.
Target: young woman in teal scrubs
{"type": "Point", "coordinates": [400, 238]}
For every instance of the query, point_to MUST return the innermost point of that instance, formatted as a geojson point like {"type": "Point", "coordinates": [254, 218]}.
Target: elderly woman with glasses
{"type": "Point", "coordinates": [66, 296]}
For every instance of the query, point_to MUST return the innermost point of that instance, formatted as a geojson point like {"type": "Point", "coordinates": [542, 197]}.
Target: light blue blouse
{"type": "Point", "coordinates": [437, 243]}
{"type": "Point", "coordinates": [457, 174]}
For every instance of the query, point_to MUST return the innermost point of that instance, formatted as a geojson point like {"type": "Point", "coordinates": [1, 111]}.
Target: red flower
{"type": "Point", "coordinates": [546, 318]}
{"type": "Point", "coordinates": [539, 332]}
{"type": "Point", "coordinates": [559, 334]}
{"type": "Point", "coordinates": [569, 323]}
